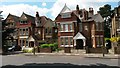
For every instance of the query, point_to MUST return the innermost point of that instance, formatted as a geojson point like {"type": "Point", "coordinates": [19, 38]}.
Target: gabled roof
{"type": "Point", "coordinates": [16, 18]}
{"type": "Point", "coordinates": [65, 9]}
{"type": "Point", "coordinates": [31, 38]}
{"type": "Point", "coordinates": [97, 18]}
{"type": "Point", "coordinates": [49, 23]}
{"type": "Point", "coordinates": [79, 36]}
{"type": "Point", "coordinates": [28, 17]}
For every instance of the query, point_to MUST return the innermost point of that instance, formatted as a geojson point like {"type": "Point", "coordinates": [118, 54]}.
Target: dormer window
{"type": "Point", "coordinates": [66, 15]}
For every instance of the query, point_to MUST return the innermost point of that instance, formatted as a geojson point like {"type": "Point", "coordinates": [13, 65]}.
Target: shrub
{"type": "Point", "coordinates": [53, 46]}
{"type": "Point", "coordinates": [28, 50]}
{"type": "Point", "coordinates": [44, 46]}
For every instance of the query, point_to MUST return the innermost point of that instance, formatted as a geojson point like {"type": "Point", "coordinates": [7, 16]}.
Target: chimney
{"type": "Point", "coordinates": [37, 14]}
{"type": "Point", "coordinates": [77, 9]}
{"type": "Point", "coordinates": [91, 11]}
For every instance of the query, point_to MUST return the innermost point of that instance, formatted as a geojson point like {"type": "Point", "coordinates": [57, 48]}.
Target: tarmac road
{"type": "Point", "coordinates": [44, 60]}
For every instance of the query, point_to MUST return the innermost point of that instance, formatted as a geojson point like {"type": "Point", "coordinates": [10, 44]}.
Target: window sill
{"type": "Point", "coordinates": [66, 31]}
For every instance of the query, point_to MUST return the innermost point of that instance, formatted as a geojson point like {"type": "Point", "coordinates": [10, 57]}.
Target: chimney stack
{"type": "Point", "coordinates": [91, 11]}
{"type": "Point", "coordinates": [37, 14]}
{"type": "Point", "coordinates": [77, 9]}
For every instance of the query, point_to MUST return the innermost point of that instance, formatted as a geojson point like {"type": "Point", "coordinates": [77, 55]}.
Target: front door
{"type": "Point", "coordinates": [79, 44]}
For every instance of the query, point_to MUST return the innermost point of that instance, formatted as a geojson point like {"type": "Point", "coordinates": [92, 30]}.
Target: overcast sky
{"type": "Point", "coordinates": [49, 8]}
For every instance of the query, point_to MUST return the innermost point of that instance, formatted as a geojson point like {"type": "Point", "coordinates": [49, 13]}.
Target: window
{"type": "Point", "coordinates": [61, 27]}
{"type": "Point", "coordinates": [97, 27]}
{"type": "Point", "coordinates": [70, 25]}
{"type": "Point", "coordinates": [119, 23]}
{"type": "Point", "coordinates": [71, 41]}
{"type": "Point", "coordinates": [23, 22]}
{"type": "Point", "coordinates": [62, 41]}
{"type": "Point", "coordinates": [101, 40]}
{"type": "Point", "coordinates": [46, 30]}
{"type": "Point", "coordinates": [97, 42]}
{"type": "Point", "coordinates": [66, 41]}
{"type": "Point", "coordinates": [50, 31]}
{"type": "Point", "coordinates": [86, 27]}
{"type": "Point", "coordinates": [100, 25]}
{"type": "Point", "coordinates": [65, 15]}
{"type": "Point", "coordinates": [66, 27]}
{"type": "Point", "coordinates": [80, 27]}
{"type": "Point", "coordinates": [26, 43]}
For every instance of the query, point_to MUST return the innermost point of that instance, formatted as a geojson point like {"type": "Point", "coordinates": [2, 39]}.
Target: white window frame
{"type": "Point", "coordinates": [66, 27]}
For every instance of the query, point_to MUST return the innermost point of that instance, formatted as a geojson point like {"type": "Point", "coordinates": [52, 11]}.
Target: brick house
{"type": "Point", "coordinates": [25, 28]}
{"type": "Point", "coordinates": [11, 23]}
{"type": "Point", "coordinates": [45, 29]}
{"type": "Point", "coordinates": [79, 28]}
{"type": "Point", "coordinates": [115, 30]}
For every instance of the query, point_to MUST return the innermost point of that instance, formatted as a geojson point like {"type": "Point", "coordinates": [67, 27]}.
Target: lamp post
{"type": "Point", "coordinates": [103, 50]}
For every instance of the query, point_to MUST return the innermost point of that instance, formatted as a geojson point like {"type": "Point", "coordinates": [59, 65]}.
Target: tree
{"type": "Point", "coordinates": [6, 35]}
{"type": "Point", "coordinates": [106, 12]}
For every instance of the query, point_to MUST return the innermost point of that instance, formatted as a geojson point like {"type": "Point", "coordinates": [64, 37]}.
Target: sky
{"type": "Point", "coordinates": [49, 8]}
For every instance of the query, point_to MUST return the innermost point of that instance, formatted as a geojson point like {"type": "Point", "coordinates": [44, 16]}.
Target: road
{"type": "Point", "coordinates": [20, 60]}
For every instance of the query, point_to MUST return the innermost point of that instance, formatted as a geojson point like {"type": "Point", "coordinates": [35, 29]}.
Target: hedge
{"type": "Point", "coordinates": [54, 46]}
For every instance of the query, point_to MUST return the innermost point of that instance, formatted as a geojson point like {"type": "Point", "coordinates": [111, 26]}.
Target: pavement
{"type": "Point", "coordinates": [78, 53]}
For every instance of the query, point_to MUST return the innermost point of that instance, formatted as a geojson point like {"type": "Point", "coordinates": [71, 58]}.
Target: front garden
{"type": "Point", "coordinates": [43, 48]}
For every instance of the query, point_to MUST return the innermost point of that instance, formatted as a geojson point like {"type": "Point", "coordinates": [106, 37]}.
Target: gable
{"type": "Point", "coordinates": [65, 9]}
{"type": "Point", "coordinates": [23, 17]}
{"type": "Point", "coordinates": [79, 36]}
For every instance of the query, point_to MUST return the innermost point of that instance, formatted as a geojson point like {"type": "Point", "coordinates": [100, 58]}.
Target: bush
{"type": "Point", "coordinates": [28, 50]}
{"type": "Point", "coordinates": [53, 46]}
{"type": "Point", "coordinates": [44, 46]}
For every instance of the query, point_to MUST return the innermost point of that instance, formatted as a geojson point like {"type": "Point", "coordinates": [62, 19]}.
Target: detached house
{"type": "Point", "coordinates": [33, 31]}
{"type": "Point", "coordinates": [45, 29]}
{"type": "Point", "coordinates": [25, 29]}
{"type": "Point", "coordinates": [79, 28]}
{"type": "Point", "coordinates": [115, 30]}
{"type": "Point", "coordinates": [11, 23]}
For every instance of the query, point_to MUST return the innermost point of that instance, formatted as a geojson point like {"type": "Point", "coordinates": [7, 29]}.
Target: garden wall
{"type": "Point", "coordinates": [117, 50]}
{"type": "Point", "coordinates": [96, 50]}
{"type": "Point", "coordinates": [45, 50]}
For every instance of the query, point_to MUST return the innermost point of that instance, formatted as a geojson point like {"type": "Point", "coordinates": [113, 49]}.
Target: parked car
{"type": "Point", "coordinates": [14, 48]}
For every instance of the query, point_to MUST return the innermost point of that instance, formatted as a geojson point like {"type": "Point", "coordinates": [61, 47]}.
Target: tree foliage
{"type": "Point", "coordinates": [106, 12]}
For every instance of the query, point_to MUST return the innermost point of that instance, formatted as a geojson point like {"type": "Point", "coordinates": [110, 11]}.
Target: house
{"type": "Point", "coordinates": [79, 28]}
{"type": "Point", "coordinates": [10, 25]}
{"type": "Point", "coordinates": [45, 29]}
{"type": "Point", "coordinates": [25, 29]}
{"type": "Point", "coordinates": [115, 30]}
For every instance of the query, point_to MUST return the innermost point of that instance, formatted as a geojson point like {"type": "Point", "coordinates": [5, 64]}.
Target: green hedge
{"type": "Point", "coordinates": [54, 46]}
{"type": "Point", "coordinates": [44, 46]}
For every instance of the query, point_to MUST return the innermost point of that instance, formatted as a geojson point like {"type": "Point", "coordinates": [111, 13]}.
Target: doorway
{"type": "Point", "coordinates": [79, 44]}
